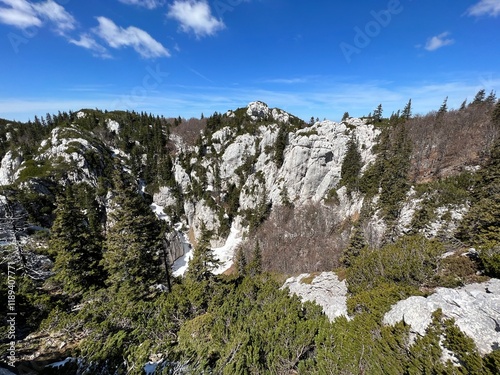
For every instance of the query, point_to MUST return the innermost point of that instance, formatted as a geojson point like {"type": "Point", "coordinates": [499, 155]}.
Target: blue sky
{"type": "Point", "coordinates": [187, 57]}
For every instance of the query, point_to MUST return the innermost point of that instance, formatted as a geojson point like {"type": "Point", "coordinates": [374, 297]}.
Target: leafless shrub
{"type": "Point", "coordinates": [304, 239]}
{"type": "Point", "coordinates": [188, 130]}
{"type": "Point", "coordinates": [446, 143]}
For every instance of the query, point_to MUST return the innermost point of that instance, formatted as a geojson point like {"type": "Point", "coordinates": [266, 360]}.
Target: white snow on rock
{"type": "Point", "coordinates": [225, 253]}
{"type": "Point", "coordinates": [81, 115]}
{"type": "Point", "coordinates": [180, 265]}
{"type": "Point", "coordinates": [325, 289]}
{"type": "Point", "coordinates": [475, 308]}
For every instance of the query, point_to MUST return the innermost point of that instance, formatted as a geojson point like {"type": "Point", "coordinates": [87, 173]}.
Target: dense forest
{"type": "Point", "coordinates": [89, 262]}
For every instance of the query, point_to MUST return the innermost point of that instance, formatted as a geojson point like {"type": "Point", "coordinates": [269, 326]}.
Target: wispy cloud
{"type": "Point", "coordinates": [195, 16]}
{"type": "Point", "coordinates": [201, 75]}
{"type": "Point", "coordinates": [24, 14]}
{"type": "Point", "coordinates": [149, 4]}
{"type": "Point", "coordinates": [439, 41]}
{"type": "Point", "coordinates": [88, 42]}
{"type": "Point", "coordinates": [56, 14]}
{"type": "Point", "coordinates": [485, 8]}
{"type": "Point", "coordinates": [118, 37]}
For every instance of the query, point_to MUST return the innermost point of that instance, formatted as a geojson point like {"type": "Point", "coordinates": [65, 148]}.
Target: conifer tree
{"type": "Point", "coordinates": [491, 98]}
{"type": "Point", "coordinates": [351, 166]}
{"type": "Point", "coordinates": [377, 113]}
{"type": "Point", "coordinates": [480, 225]}
{"type": "Point", "coordinates": [407, 111]}
{"type": "Point", "coordinates": [133, 243]}
{"type": "Point", "coordinates": [444, 107]}
{"type": "Point", "coordinates": [280, 145]}
{"type": "Point", "coordinates": [76, 248]}
{"type": "Point", "coordinates": [356, 243]}
{"type": "Point", "coordinates": [204, 262]}
{"type": "Point", "coordinates": [241, 262]}
{"type": "Point", "coordinates": [480, 97]}
{"type": "Point", "coordinates": [255, 266]}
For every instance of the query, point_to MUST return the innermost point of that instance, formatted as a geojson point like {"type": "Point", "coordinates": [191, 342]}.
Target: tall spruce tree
{"type": "Point", "coordinates": [204, 262]}
{"type": "Point", "coordinates": [377, 113]}
{"type": "Point", "coordinates": [351, 166]}
{"type": "Point", "coordinates": [407, 111]}
{"type": "Point", "coordinates": [255, 266]}
{"type": "Point", "coordinates": [76, 248]}
{"type": "Point", "coordinates": [134, 242]}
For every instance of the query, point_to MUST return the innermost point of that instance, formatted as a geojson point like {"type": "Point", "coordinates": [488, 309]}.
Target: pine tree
{"type": "Point", "coordinates": [346, 116]}
{"type": "Point", "coordinates": [377, 113]}
{"type": "Point", "coordinates": [280, 145]}
{"type": "Point", "coordinates": [356, 243]}
{"type": "Point", "coordinates": [351, 166]}
{"type": "Point", "coordinates": [76, 248]}
{"type": "Point", "coordinates": [241, 262]}
{"type": "Point", "coordinates": [463, 105]}
{"type": "Point", "coordinates": [480, 97]}
{"type": "Point", "coordinates": [444, 107]}
{"type": "Point", "coordinates": [491, 98]}
{"type": "Point", "coordinates": [204, 262]}
{"type": "Point", "coordinates": [133, 243]}
{"type": "Point", "coordinates": [407, 111]}
{"type": "Point", "coordinates": [255, 266]}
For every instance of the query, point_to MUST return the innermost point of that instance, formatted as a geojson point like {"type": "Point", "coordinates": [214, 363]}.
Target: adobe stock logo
{"type": "Point", "coordinates": [371, 30]}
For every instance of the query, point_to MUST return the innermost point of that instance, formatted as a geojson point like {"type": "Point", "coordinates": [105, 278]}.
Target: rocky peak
{"type": "Point", "coordinates": [261, 111]}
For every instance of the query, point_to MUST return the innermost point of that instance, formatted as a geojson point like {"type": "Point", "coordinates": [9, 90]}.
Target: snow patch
{"type": "Point", "coordinates": [180, 266]}
{"type": "Point", "coordinates": [225, 253]}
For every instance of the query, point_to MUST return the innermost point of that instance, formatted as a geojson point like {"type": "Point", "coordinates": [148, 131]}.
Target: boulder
{"type": "Point", "coordinates": [325, 289]}
{"type": "Point", "coordinates": [475, 309]}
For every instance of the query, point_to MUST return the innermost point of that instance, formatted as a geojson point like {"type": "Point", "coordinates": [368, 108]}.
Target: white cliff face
{"type": "Point", "coordinates": [314, 156]}
{"type": "Point", "coordinates": [475, 308]}
{"type": "Point", "coordinates": [8, 168]}
{"type": "Point", "coordinates": [325, 289]}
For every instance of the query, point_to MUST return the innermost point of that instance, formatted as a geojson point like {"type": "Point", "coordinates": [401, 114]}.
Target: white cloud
{"type": "Point", "coordinates": [485, 7]}
{"type": "Point", "coordinates": [139, 40]}
{"type": "Point", "coordinates": [438, 41]}
{"type": "Point", "coordinates": [55, 13]}
{"type": "Point", "coordinates": [24, 14]}
{"type": "Point", "coordinates": [150, 4]}
{"type": "Point", "coordinates": [195, 16]}
{"type": "Point", "coordinates": [86, 41]}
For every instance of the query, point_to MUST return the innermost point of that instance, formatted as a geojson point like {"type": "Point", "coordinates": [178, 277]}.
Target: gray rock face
{"type": "Point", "coordinates": [325, 289]}
{"type": "Point", "coordinates": [475, 308]}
